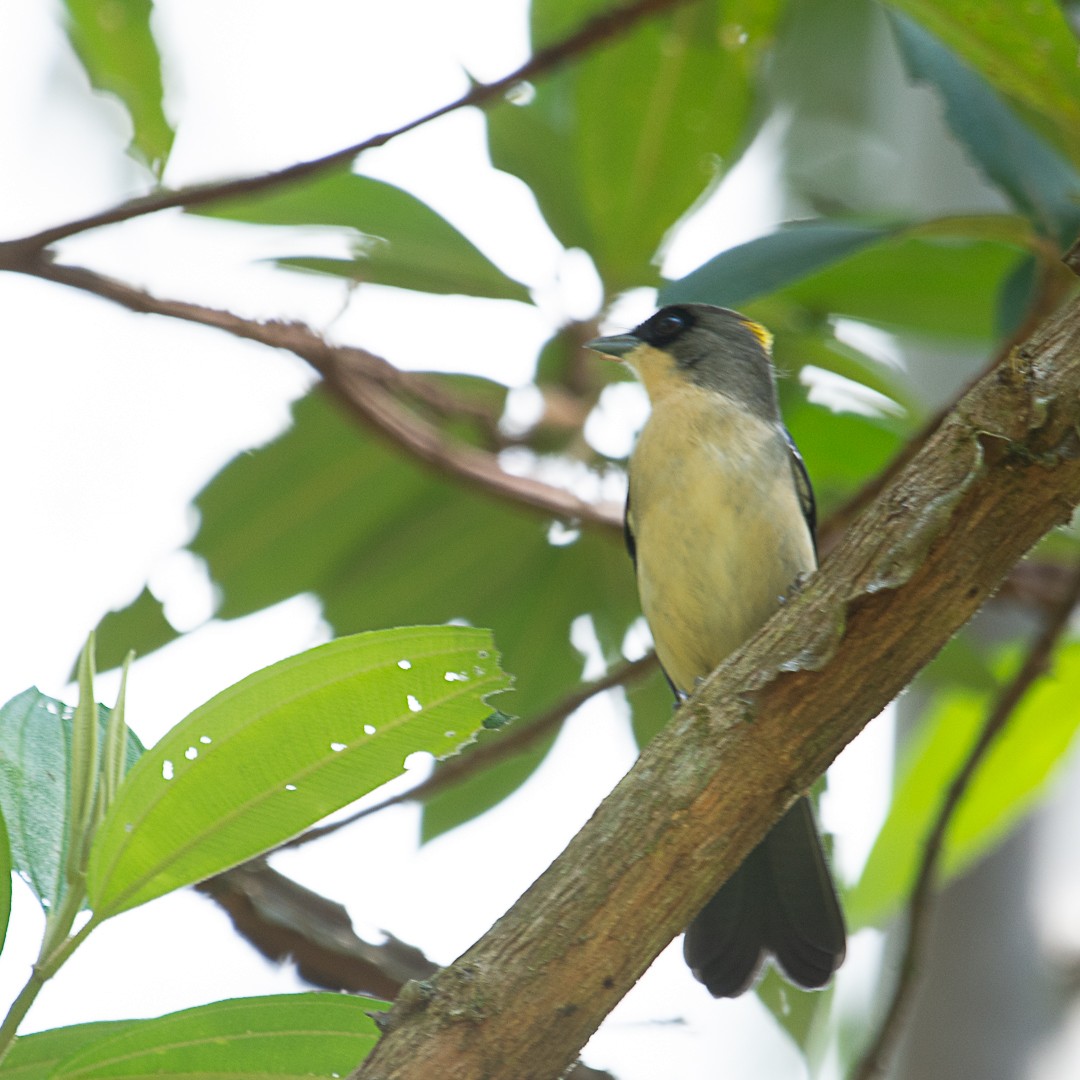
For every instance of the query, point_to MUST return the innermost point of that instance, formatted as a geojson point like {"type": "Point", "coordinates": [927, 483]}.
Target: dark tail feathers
{"type": "Point", "coordinates": [780, 901]}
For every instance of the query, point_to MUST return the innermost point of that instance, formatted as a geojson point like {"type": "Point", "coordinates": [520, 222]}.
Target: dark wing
{"type": "Point", "coordinates": [802, 487]}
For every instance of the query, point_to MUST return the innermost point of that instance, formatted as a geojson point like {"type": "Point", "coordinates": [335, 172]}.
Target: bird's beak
{"type": "Point", "coordinates": [618, 346]}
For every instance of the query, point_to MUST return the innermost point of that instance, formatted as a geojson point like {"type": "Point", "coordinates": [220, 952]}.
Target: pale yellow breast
{"type": "Point", "coordinates": [719, 530]}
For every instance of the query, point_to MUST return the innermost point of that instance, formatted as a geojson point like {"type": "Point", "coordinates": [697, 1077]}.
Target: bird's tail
{"type": "Point", "coordinates": [780, 901]}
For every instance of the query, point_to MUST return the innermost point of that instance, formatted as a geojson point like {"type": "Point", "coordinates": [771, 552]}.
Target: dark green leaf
{"type": "Point", "coordinates": [766, 264]}
{"type": "Point", "coordinates": [842, 450]}
{"type": "Point", "coordinates": [1031, 173]}
{"type": "Point", "coordinates": [617, 147]}
{"type": "Point", "coordinates": [35, 763]}
{"type": "Point", "coordinates": [113, 40]}
{"type": "Point", "coordinates": [1026, 51]}
{"type": "Point", "coordinates": [283, 748]}
{"type": "Point", "coordinates": [941, 287]}
{"type": "Point", "coordinates": [651, 705]}
{"type": "Point", "coordinates": [35, 1057]}
{"type": "Point", "coordinates": [398, 240]}
{"type": "Point", "coordinates": [279, 1037]}
{"type": "Point", "coordinates": [142, 621]}
{"type": "Point", "coordinates": [470, 797]}
{"type": "Point", "coordinates": [1008, 783]}
{"type": "Point", "coordinates": [1016, 296]}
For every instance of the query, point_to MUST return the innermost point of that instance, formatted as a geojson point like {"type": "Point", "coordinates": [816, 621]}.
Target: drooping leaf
{"type": "Point", "coordinates": [1006, 786]}
{"type": "Point", "coordinates": [284, 747]}
{"type": "Point", "coordinates": [396, 239]}
{"type": "Point", "coordinates": [1030, 172]}
{"type": "Point", "coordinates": [277, 1037]}
{"type": "Point", "coordinates": [620, 145]}
{"type": "Point", "coordinates": [35, 767]}
{"type": "Point", "coordinates": [770, 262]}
{"type": "Point", "coordinates": [1026, 51]}
{"type": "Point", "coordinates": [36, 1057]}
{"type": "Point", "coordinates": [116, 46]}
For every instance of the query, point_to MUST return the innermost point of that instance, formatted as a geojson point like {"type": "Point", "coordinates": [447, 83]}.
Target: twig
{"type": "Point", "coordinates": [360, 380]}
{"type": "Point", "coordinates": [475, 759]}
{"type": "Point", "coordinates": [595, 31]}
{"type": "Point", "coordinates": [1037, 661]}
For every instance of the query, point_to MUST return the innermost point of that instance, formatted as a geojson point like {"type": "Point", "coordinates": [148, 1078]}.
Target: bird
{"type": "Point", "coordinates": [720, 524]}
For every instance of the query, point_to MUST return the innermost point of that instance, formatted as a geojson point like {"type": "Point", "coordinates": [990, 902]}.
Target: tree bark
{"type": "Point", "coordinates": [1001, 470]}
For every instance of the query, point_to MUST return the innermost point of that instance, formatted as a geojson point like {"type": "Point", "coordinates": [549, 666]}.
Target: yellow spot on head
{"type": "Point", "coordinates": [759, 331]}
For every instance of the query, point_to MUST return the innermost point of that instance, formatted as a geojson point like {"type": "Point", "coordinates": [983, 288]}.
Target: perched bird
{"type": "Point", "coordinates": [720, 524]}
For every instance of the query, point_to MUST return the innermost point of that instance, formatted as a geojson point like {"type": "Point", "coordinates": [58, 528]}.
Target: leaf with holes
{"type": "Point", "coordinates": [283, 748]}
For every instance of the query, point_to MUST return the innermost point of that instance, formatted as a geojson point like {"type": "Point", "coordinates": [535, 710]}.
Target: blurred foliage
{"type": "Point", "coordinates": [938, 265]}
{"type": "Point", "coordinates": [113, 40]}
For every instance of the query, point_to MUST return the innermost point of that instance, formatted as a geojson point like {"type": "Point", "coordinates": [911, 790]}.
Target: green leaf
{"type": "Point", "coordinates": [1006, 786]}
{"type": "Point", "coordinates": [620, 145]}
{"type": "Point", "coordinates": [651, 706]}
{"type": "Point", "coordinates": [1016, 296]}
{"type": "Point", "coordinates": [283, 748]}
{"type": "Point", "coordinates": [114, 42]}
{"type": "Point", "coordinates": [279, 1037]}
{"type": "Point", "coordinates": [35, 1057]}
{"type": "Point", "coordinates": [796, 1011]}
{"type": "Point", "coordinates": [397, 239]}
{"type": "Point", "coordinates": [35, 764]}
{"type": "Point", "coordinates": [1014, 158]}
{"type": "Point", "coordinates": [84, 768]}
{"type": "Point", "coordinates": [142, 621]}
{"type": "Point", "coordinates": [934, 286]}
{"type": "Point", "coordinates": [1026, 51]}
{"type": "Point", "coordinates": [764, 265]}
{"type": "Point", "coordinates": [5, 881]}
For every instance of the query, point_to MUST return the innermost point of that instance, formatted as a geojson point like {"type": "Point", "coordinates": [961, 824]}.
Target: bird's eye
{"type": "Point", "coordinates": [667, 325]}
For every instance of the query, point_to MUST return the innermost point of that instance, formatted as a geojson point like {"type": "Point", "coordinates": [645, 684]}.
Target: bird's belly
{"type": "Point", "coordinates": [718, 546]}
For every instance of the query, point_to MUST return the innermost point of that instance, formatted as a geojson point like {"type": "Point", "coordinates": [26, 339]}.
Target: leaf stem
{"type": "Point", "coordinates": [58, 944]}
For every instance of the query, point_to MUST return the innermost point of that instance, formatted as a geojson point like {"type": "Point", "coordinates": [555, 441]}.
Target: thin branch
{"type": "Point", "coordinates": [516, 740]}
{"type": "Point", "coordinates": [600, 29]}
{"type": "Point", "coordinates": [284, 920]}
{"type": "Point", "coordinates": [360, 380]}
{"type": "Point", "coordinates": [876, 1059]}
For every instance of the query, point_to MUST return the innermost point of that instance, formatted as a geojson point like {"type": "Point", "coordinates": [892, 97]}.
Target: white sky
{"type": "Point", "coordinates": [110, 423]}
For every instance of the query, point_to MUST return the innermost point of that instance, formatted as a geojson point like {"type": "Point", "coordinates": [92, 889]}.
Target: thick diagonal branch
{"type": "Point", "coordinates": [1001, 470]}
